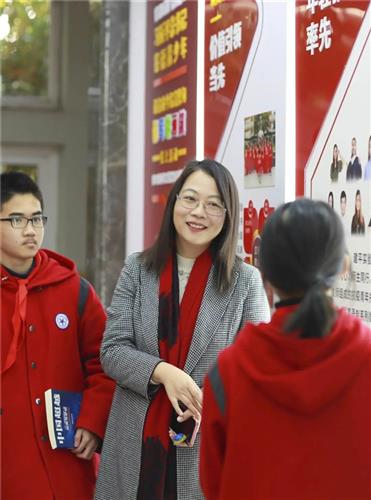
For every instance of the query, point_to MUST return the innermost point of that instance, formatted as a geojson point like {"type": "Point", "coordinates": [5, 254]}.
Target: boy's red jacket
{"type": "Point", "coordinates": [288, 418]}
{"type": "Point", "coordinates": [60, 352]}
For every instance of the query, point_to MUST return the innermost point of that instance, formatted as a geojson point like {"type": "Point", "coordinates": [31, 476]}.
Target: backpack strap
{"type": "Point", "coordinates": [217, 386]}
{"type": "Point", "coordinates": [83, 295]}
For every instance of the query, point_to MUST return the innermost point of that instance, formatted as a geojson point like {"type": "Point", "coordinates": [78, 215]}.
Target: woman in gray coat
{"type": "Point", "coordinates": [175, 306]}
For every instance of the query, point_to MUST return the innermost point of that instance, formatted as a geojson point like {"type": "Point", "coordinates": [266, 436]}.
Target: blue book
{"type": "Point", "coordinates": [62, 410]}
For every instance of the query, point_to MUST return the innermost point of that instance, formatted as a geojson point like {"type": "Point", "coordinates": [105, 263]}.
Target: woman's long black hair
{"type": "Point", "coordinates": [223, 247]}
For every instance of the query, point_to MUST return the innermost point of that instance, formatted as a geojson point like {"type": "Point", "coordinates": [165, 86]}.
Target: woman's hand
{"type": "Point", "coordinates": [186, 415]}
{"type": "Point", "coordinates": [179, 387]}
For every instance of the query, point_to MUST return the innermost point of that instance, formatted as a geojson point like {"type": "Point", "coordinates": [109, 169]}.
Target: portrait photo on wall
{"type": "Point", "coordinates": [343, 203]}
{"type": "Point", "coordinates": [368, 164]}
{"type": "Point", "coordinates": [336, 164]}
{"type": "Point", "coordinates": [330, 199]}
{"type": "Point", "coordinates": [358, 220]}
{"type": "Point", "coordinates": [260, 150]}
{"type": "Point", "coordinates": [354, 168]}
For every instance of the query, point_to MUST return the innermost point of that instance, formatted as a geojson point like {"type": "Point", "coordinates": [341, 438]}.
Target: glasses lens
{"type": "Point", "coordinates": [18, 222]}
{"type": "Point", "coordinates": [22, 222]}
{"type": "Point", "coordinates": [188, 202]}
{"type": "Point", "coordinates": [38, 221]}
{"type": "Point", "coordinates": [214, 209]}
{"type": "Point", "coordinates": [191, 203]}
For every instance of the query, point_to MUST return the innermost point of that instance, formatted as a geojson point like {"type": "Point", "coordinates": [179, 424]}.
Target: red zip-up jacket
{"type": "Point", "coordinates": [51, 354]}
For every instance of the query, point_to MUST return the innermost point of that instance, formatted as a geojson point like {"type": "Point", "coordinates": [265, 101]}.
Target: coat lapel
{"type": "Point", "coordinates": [149, 311]}
{"type": "Point", "coordinates": [212, 309]}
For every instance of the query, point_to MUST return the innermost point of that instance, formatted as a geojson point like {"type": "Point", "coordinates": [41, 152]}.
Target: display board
{"type": "Point", "coordinates": [334, 129]}
{"type": "Point", "coordinates": [245, 120]}
{"type": "Point", "coordinates": [170, 111]}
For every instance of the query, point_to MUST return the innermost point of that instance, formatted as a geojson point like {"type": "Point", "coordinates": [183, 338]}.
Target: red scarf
{"type": "Point", "coordinates": [19, 316]}
{"type": "Point", "coordinates": [175, 330]}
{"type": "Point", "coordinates": [18, 320]}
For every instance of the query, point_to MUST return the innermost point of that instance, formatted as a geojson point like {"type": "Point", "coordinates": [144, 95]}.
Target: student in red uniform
{"type": "Point", "coordinates": [246, 160]}
{"type": "Point", "coordinates": [270, 156]}
{"type": "Point", "coordinates": [51, 329]}
{"type": "Point", "coordinates": [259, 160]}
{"type": "Point", "coordinates": [287, 408]}
{"type": "Point", "coordinates": [250, 225]}
{"type": "Point", "coordinates": [249, 161]}
{"type": "Point", "coordinates": [265, 158]}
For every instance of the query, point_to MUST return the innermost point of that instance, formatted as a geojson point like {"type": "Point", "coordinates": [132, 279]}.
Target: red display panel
{"type": "Point", "coordinates": [325, 34]}
{"type": "Point", "coordinates": [170, 123]}
{"type": "Point", "coordinates": [230, 26]}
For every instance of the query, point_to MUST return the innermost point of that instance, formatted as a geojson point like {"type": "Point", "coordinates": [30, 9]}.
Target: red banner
{"type": "Point", "coordinates": [326, 31]}
{"type": "Point", "coordinates": [229, 30]}
{"type": "Point", "coordinates": [170, 103]}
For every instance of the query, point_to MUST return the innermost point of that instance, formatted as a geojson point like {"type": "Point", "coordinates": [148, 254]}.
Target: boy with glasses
{"type": "Point", "coordinates": [51, 329]}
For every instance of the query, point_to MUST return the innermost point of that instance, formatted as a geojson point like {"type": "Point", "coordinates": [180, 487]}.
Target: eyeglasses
{"type": "Point", "coordinates": [19, 222]}
{"type": "Point", "coordinates": [211, 207]}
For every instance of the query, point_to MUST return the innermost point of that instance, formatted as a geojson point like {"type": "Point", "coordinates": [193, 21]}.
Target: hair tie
{"type": "Point", "coordinates": [321, 281]}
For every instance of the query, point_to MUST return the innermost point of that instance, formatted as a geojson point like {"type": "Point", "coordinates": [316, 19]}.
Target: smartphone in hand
{"type": "Point", "coordinates": [183, 434]}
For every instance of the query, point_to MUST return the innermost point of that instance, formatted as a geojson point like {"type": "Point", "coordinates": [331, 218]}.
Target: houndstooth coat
{"type": "Point", "coordinates": [130, 353]}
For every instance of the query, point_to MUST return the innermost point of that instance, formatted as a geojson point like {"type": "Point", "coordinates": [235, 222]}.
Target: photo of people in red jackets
{"type": "Point", "coordinates": [52, 324]}
{"type": "Point", "coordinates": [252, 227]}
{"type": "Point", "coordinates": [259, 150]}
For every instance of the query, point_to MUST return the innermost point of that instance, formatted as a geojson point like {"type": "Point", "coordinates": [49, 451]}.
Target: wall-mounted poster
{"type": "Point", "coordinates": [334, 130]}
{"type": "Point", "coordinates": [245, 78]}
{"type": "Point", "coordinates": [326, 34]}
{"type": "Point", "coordinates": [170, 112]}
{"type": "Point", "coordinates": [259, 150]}
{"type": "Point", "coordinates": [230, 28]}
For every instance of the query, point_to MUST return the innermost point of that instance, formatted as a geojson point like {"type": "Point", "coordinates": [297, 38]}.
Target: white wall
{"type": "Point", "coordinates": [136, 127]}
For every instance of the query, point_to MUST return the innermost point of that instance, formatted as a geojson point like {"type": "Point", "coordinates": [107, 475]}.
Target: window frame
{"type": "Point", "coordinates": [52, 99]}
{"type": "Point", "coordinates": [47, 161]}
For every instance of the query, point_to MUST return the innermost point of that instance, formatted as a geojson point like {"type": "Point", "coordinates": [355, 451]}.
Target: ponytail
{"type": "Point", "coordinates": [314, 315]}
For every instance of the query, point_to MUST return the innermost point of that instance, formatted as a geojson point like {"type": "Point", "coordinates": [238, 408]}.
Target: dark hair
{"type": "Point", "coordinates": [13, 183]}
{"type": "Point", "coordinates": [343, 195]}
{"type": "Point", "coordinates": [223, 247]}
{"type": "Point", "coordinates": [358, 193]}
{"type": "Point", "coordinates": [331, 194]}
{"type": "Point", "coordinates": [369, 154]}
{"type": "Point", "coordinates": [301, 252]}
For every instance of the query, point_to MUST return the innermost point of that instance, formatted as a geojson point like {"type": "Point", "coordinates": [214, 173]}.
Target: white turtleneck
{"type": "Point", "coordinates": [184, 270]}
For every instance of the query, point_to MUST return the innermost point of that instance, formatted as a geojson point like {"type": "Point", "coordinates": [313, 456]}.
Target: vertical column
{"type": "Point", "coordinates": [109, 211]}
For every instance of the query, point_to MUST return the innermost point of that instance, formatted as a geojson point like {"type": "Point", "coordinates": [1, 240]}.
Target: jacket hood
{"type": "Point", "coordinates": [303, 375]}
{"type": "Point", "coordinates": [50, 268]}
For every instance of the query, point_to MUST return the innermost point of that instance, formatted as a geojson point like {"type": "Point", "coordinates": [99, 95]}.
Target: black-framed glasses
{"type": "Point", "coordinates": [211, 207]}
{"type": "Point", "coordinates": [20, 222]}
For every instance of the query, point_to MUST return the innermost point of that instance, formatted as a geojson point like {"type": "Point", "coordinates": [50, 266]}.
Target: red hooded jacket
{"type": "Point", "coordinates": [288, 418]}
{"type": "Point", "coordinates": [49, 356]}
